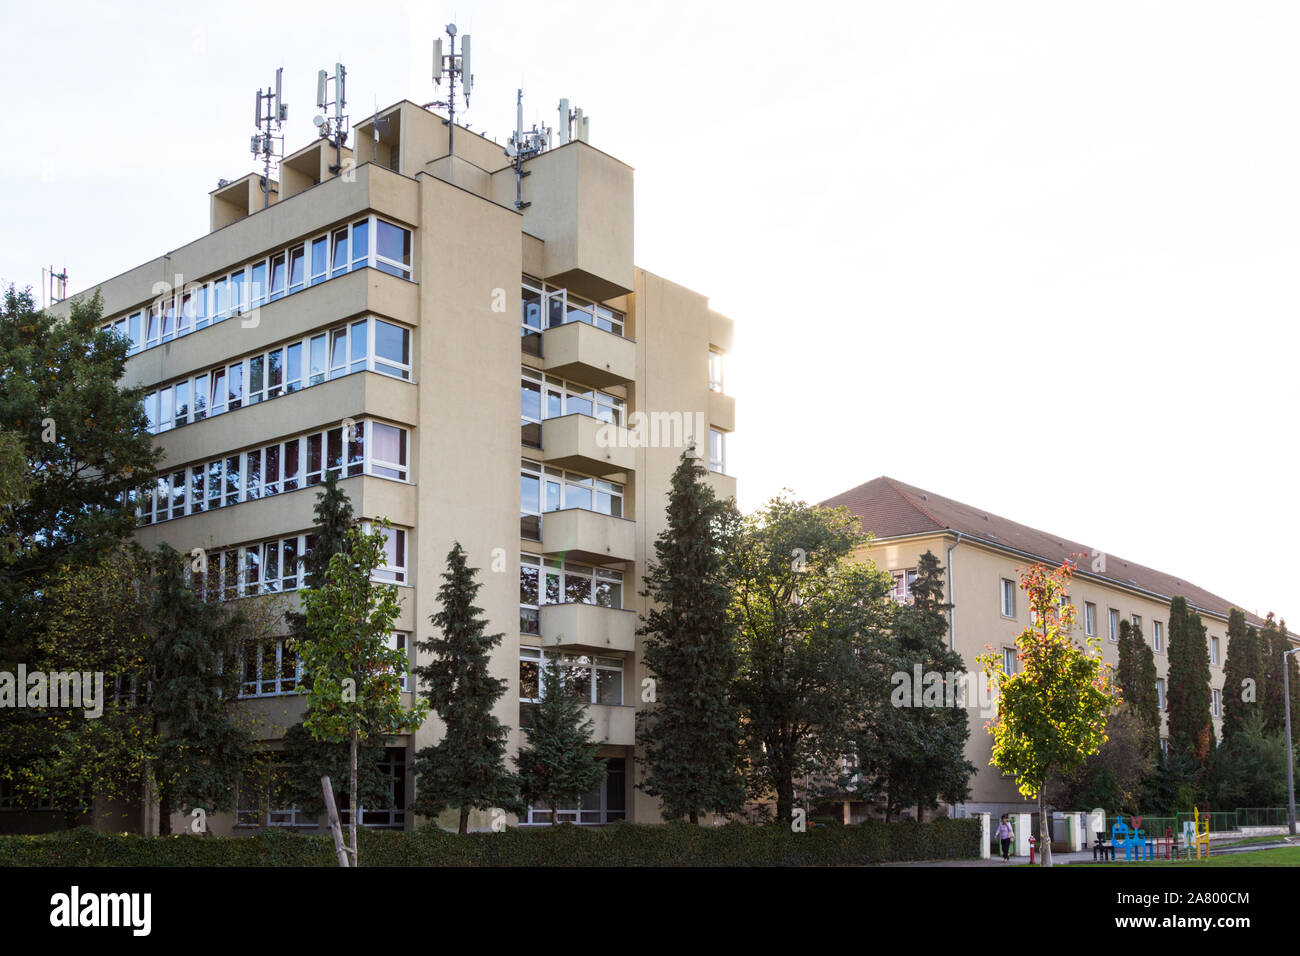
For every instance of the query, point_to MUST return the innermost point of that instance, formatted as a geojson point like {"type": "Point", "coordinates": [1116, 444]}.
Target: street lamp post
{"type": "Point", "coordinates": [1290, 750]}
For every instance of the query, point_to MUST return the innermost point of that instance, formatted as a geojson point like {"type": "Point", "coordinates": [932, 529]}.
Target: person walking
{"type": "Point", "coordinates": [1005, 833]}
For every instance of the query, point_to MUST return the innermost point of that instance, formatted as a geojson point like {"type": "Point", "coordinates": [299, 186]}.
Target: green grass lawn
{"type": "Point", "coordinates": [1284, 856]}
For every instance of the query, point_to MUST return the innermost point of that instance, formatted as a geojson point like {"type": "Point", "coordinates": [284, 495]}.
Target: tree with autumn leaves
{"type": "Point", "coordinates": [1051, 713]}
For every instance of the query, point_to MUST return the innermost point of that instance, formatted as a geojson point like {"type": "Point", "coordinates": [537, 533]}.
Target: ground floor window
{"type": "Point", "coordinates": [606, 804]}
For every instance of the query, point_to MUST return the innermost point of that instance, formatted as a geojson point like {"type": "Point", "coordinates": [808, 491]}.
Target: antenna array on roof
{"type": "Point", "coordinates": [524, 144]}
{"type": "Point", "coordinates": [270, 115]}
{"type": "Point", "coordinates": [333, 128]}
{"type": "Point", "coordinates": [451, 66]}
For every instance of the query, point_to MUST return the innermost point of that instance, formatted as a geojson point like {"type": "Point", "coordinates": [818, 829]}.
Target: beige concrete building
{"type": "Point", "coordinates": [395, 317]}
{"type": "Point", "coordinates": [980, 553]}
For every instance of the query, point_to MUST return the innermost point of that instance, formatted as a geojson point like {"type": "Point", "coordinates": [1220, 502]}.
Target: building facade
{"type": "Point", "coordinates": [981, 554]}
{"type": "Point", "coordinates": [395, 316]}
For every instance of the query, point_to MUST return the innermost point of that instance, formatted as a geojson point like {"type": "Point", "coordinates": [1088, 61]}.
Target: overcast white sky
{"type": "Point", "coordinates": [1036, 256]}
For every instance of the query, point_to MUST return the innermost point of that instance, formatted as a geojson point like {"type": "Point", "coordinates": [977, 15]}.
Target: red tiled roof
{"type": "Point", "coordinates": [890, 509]}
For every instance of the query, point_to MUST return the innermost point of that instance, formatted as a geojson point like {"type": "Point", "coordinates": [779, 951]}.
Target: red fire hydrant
{"type": "Point", "coordinates": [1032, 843]}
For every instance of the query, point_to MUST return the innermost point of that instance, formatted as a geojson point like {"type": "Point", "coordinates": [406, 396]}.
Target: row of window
{"type": "Point", "coordinates": [593, 680]}
{"type": "Point", "coordinates": [282, 273]}
{"type": "Point", "coordinates": [1162, 700]}
{"type": "Point", "coordinates": [260, 801]}
{"type": "Point", "coordinates": [605, 804]}
{"type": "Point", "coordinates": [1113, 621]}
{"type": "Point", "coordinates": [272, 669]}
{"type": "Point", "coordinates": [551, 581]}
{"type": "Point", "coordinates": [545, 396]}
{"type": "Point", "coordinates": [274, 566]}
{"type": "Point", "coordinates": [546, 307]}
{"type": "Point", "coordinates": [365, 447]}
{"type": "Point", "coordinates": [543, 489]}
{"type": "Point", "coordinates": [368, 344]}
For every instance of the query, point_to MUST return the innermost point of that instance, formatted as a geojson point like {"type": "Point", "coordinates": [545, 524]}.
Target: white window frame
{"type": "Point", "coordinates": [1007, 598]}
{"type": "Point", "coordinates": [1112, 618]}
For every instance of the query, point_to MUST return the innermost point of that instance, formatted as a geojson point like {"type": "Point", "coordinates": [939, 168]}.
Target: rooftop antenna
{"type": "Point", "coordinates": [574, 125]}
{"type": "Point", "coordinates": [375, 123]}
{"type": "Point", "coordinates": [54, 284]}
{"type": "Point", "coordinates": [523, 145]}
{"type": "Point", "coordinates": [334, 128]}
{"type": "Point", "coordinates": [451, 66]}
{"type": "Point", "coordinates": [271, 113]}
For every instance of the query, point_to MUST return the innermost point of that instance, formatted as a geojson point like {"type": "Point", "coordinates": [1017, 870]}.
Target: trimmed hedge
{"type": "Point", "coordinates": [620, 844]}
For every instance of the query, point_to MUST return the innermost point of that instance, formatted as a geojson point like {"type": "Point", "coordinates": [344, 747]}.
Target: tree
{"type": "Point", "coordinates": [1117, 774]}
{"type": "Point", "coordinates": [1273, 641]}
{"type": "Point", "coordinates": [1136, 680]}
{"type": "Point", "coordinates": [355, 677]}
{"type": "Point", "coordinates": [916, 755]}
{"type": "Point", "coordinates": [86, 445]}
{"type": "Point", "coordinates": [1242, 671]}
{"type": "Point", "coordinates": [13, 491]}
{"type": "Point", "coordinates": [1190, 729]}
{"type": "Point", "coordinates": [307, 759]}
{"type": "Point", "coordinates": [691, 736]}
{"type": "Point", "coordinates": [1052, 714]}
{"type": "Point", "coordinates": [202, 750]}
{"type": "Point", "coordinates": [559, 763]}
{"type": "Point", "coordinates": [466, 769]}
{"type": "Point", "coordinates": [810, 622]}
{"type": "Point", "coordinates": [1250, 766]}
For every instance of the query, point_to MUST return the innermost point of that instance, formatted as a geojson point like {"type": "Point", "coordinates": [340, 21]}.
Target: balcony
{"type": "Point", "coordinates": [724, 486]}
{"type": "Point", "coordinates": [588, 626]}
{"type": "Point", "coordinates": [613, 724]}
{"type": "Point", "coordinates": [586, 444]}
{"type": "Point", "coordinates": [722, 411]}
{"type": "Point", "coordinates": [589, 355]}
{"type": "Point", "coordinates": [588, 536]}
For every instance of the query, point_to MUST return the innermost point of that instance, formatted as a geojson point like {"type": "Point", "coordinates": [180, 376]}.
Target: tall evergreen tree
{"type": "Point", "coordinates": [558, 764]}
{"type": "Point", "coordinates": [916, 754]}
{"type": "Point", "coordinates": [466, 769]}
{"type": "Point", "coordinates": [202, 750]}
{"type": "Point", "coordinates": [1136, 677]}
{"type": "Point", "coordinates": [1190, 729]}
{"type": "Point", "coordinates": [691, 734]}
{"type": "Point", "coordinates": [86, 445]}
{"type": "Point", "coordinates": [1273, 641]}
{"type": "Point", "coordinates": [1242, 672]}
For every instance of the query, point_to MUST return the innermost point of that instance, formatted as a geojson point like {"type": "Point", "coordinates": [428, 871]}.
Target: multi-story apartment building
{"type": "Point", "coordinates": [396, 317]}
{"type": "Point", "coordinates": [980, 553]}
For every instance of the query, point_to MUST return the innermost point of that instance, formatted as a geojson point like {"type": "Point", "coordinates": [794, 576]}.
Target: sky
{"type": "Point", "coordinates": [1037, 257]}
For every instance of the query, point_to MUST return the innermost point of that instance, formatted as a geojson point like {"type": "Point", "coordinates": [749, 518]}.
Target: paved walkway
{"type": "Point", "coordinates": [1060, 859]}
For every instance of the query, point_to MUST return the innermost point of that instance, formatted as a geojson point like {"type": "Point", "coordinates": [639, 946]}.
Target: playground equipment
{"type": "Point", "coordinates": [1101, 848]}
{"type": "Point", "coordinates": [1196, 832]}
{"type": "Point", "coordinates": [1131, 840]}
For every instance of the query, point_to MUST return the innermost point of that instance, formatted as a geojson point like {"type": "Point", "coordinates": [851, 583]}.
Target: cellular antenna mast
{"type": "Point", "coordinates": [55, 284]}
{"type": "Point", "coordinates": [271, 113]}
{"type": "Point", "coordinates": [333, 128]}
{"type": "Point", "coordinates": [524, 145]}
{"type": "Point", "coordinates": [451, 66]}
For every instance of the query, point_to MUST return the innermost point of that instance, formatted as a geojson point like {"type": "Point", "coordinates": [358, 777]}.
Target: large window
{"type": "Point", "coordinates": [903, 581]}
{"type": "Point", "coordinates": [267, 279]}
{"type": "Point", "coordinates": [543, 489]}
{"type": "Point", "coordinates": [594, 680]}
{"type": "Point", "coordinates": [545, 396]}
{"type": "Point", "coordinates": [269, 669]}
{"type": "Point", "coordinates": [715, 370]}
{"type": "Point", "coordinates": [606, 804]}
{"type": "Point", "coordinates": [546, 306]}
{"type": "Point", "coordinates": [365, 447]}
{"type": "Point", "coordinates": [365, 345]}
{"type": "Point", "coordinates": [717, 451]}
{"type": "Point", "coordinates": [551, 581]}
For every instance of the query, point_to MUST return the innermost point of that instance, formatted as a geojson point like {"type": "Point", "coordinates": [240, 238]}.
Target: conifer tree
{"type": "Point", "coordinates": [1136, 678]}
{"type": "Point", "coordinates": [1190, 729]}
{"type": "Point", "coordinates": [1272, 643]}
{"type": "Point", "coordinates": [466, 770]}
{"type": "Point", "coordinates": [202, 750]}
{"type": "Point", "coordinates": [1242, 672]}
{"type": "Point", "coordinates": [559, 763]}
{"type": "Point", "coordinates": [691, 734]}
{"type": "Point", "coordinates": [917, 753]}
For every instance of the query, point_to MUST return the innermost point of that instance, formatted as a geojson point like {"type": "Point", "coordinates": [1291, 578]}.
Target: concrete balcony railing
{"type": "Point", "coordinates": [588, 626]}
{"type": "Point", "coordinates": [588, 536]}
{"type": "Point", "coordinates": [613, 724]}
{"type": "Point", "coordinates": [722, 411]}
{"type": "Point", "coordinates": [587, 444]}
{"type": "Point", "coordinates": [724, 486]}
{"type": "Point", "coordinates": [589, 355]}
